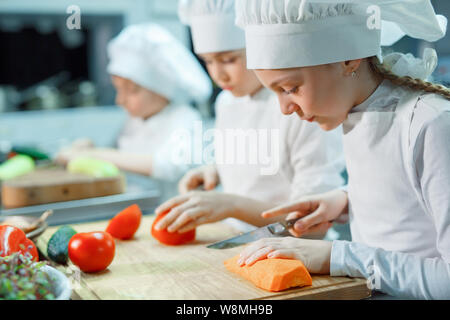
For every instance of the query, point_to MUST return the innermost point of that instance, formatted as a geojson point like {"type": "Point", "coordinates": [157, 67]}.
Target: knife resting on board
{"type": "Point", "coordinates": [276, 229]}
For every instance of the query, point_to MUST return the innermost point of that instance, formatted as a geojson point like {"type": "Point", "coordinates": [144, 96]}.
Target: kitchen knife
{"type": "Point", "coordinates": [276, 229]}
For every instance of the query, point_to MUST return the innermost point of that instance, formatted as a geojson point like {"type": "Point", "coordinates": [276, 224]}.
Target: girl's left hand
{"type": "Point", "coordinates": [315, 254]}
{"type": "Point", "coordinates": [192, 209]}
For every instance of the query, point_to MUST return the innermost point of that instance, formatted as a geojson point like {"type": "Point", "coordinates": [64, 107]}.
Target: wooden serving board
{"type": "Point", "coordinates": [145, 269]}
{"type": "Point", "coordinates": [55, 185]}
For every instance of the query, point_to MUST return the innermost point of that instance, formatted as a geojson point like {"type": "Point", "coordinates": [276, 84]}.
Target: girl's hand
{"type": "Point", "coordinates": [67, 154]}
{"type": "Point", "coordinates": [205, 175]}
{"type": "Point", "coordinates": [83, 143]}
{"type": "Point", "coordinates": [315, 254]}
{"type": "Point", "coordinates": [193, 209]}
{"type": "Point", "coordinates": [318, 212]}
{"type": "Point", "coordinates": [78, 148]}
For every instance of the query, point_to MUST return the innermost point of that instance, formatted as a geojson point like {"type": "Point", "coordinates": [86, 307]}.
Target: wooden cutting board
{"type": "Point", "coordinates": [55, 185]}
{"type": "Point", "coordinates": [145, 269]}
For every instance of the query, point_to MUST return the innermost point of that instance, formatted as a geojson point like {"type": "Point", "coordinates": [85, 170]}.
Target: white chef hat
{"type": "Point", "coordinates": [299, 33]}
{"type": "Point", "coordinates": [212, 25]}
{"type": "Point", "coordinates": [150, 56]}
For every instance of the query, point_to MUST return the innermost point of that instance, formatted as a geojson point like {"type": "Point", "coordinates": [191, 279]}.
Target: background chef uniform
{"type": "Point", "coordinates": [151, 57]}
{"type": "Point", "coordinates": [395, 142]}
{"type": "Point", "coordinates": [308, 159]}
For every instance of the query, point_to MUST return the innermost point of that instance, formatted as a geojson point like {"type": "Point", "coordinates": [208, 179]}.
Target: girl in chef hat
{"type": "Point", "coordinates": [156, 79]}
{"type": "Point", "coordinates": [323, 60]}
{"type": "Point", "coordinates": [309, 159]}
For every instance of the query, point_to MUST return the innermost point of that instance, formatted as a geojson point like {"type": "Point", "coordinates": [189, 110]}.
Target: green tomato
{"type": "Point", "coordinates": [93, 167]}
{"type": "Point", "coordinates": [16, 166]}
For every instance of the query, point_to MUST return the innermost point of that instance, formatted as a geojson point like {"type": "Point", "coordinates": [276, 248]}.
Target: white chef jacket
{"type": "Point", "coordinates": [157, 136]}
{"type": "Point", "coordinates": [397, 150]}
{"type": "Point", "coordinates": [310, 159]}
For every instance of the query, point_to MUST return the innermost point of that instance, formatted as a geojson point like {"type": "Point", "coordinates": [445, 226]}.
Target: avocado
{"type": "Point", "coordinates": [57, 247]}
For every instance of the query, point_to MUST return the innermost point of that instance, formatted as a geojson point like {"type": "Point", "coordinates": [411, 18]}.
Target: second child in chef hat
{"type": "Point", "coordinates": [307, 160]}
{"type": "Point", "coordinates": [157, 79]}
{"type": "Point", "coordinates": [324, 61]}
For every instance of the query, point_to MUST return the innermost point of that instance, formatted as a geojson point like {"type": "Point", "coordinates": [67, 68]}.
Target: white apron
{"type": "Point", "coordinates": [385, 203]}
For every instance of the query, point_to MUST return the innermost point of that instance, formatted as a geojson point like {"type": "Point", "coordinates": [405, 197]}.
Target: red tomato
{"type": "Point", "coordinates": [171, 238]}
{"type": "Point", "coordinates": [92, 251]}
{"type": "Point", "coordinates": [12, 154]}
{"type": "Point", "coordinates": [125, 224]}
{"type": "Point", "coordinates": [13, 240]}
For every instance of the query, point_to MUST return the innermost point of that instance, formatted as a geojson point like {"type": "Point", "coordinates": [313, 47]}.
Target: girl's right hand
{"type": "Point", "coordinates": [317, 211]}
{"type": "Point", "coordinates": [205, 175]}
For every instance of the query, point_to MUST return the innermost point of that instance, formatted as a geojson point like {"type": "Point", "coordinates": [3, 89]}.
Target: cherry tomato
{"type": "Point", "coordinates": [171, 238]}
{"type": "Point", "coordinates": [92, 251]}
{"type": "Point", "coordinates": [125, 224]}
{"type": "Point", "coordinates": [13, 240]}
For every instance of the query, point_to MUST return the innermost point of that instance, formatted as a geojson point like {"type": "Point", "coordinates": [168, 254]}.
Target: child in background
{"type": "Point", "coordinates": [156, 79]}
{"type": "Point", "coordinates": [309, 159]}
{"type": "Point", "coordinates": [326, 66]}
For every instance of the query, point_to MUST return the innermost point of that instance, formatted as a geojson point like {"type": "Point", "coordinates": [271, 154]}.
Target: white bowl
{"type": "Point", "coordinates": [62, 288]}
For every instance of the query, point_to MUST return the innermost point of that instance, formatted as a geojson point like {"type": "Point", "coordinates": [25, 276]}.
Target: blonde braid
{"type": "Point", "coordinates": [407, 81]}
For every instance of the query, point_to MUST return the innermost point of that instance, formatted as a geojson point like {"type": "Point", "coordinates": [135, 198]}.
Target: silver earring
{"type": "Point", "coordinates": [353, 74]}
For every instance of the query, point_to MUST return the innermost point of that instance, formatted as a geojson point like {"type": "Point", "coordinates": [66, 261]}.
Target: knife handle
{"type": "Point", "coordinates": [290, 223]}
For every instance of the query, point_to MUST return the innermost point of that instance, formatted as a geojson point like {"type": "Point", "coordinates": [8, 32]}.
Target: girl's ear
{"type": "Point", "coordinates": [350, 66]}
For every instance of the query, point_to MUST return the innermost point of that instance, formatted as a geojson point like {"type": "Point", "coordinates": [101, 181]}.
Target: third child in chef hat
{"type": "Point", "coordinates": [324, 61]}
{"type": "Point", "coordinates": [304, 159]}
{"type": "Point", "coordinates": [167, 78]}
{"type": "Point", "coordinates": [157, 79]}
{"type": "Point", "coordinates": [151, 57]}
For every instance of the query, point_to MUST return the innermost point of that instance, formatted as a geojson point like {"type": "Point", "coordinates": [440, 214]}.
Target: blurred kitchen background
{"type": "Point", "coordinates": [44, 65]}
{"type": "Point", "coordinates": [54, 87]}
{"type": "Point", "coordinates": [60, 74]}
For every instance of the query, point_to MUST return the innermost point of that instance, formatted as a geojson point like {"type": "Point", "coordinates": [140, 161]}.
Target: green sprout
{"type": "Point", "coordinates": [23, 279]}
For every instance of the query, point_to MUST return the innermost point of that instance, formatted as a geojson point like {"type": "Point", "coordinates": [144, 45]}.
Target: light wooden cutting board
{"type": "Point", "coordinates": [55, 185]}
{"type": "Point", "coordinates": [145, 269]}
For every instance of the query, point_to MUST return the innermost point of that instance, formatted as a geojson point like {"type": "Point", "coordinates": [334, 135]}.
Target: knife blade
{"type": "Point", "coordinates": [276, 229]}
